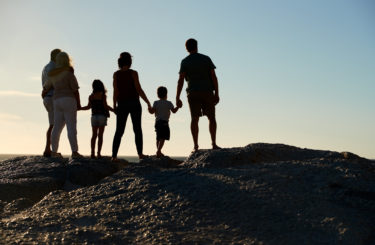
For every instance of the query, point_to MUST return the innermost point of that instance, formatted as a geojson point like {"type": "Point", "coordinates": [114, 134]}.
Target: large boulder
{"type": "Point", "coordinates": [34, 177]}
{"type": "Point", "coordinates": [260, 153]}
{"type": "Point", "coordinates": [31, 177]}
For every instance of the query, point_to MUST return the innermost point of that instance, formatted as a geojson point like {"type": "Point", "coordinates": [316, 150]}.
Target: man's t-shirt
{"type": "Point", "coordinates": [49, 67]}
{"type": "Point", "coordinates": [198, 72]}
{"type": "Point", "coordinates": [162, 109]}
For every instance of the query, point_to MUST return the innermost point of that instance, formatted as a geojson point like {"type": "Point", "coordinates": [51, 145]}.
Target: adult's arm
{"type": "Point", "coordinates": [180, 85]}
{"type": "Point", "coordinates": [139, 88]}
{"type": "Point", "coordinates": [115, 92]}
{"type": "Point", "coordinates": [216, 86]}
{"type": "Point", "coordinates": [76, 95]}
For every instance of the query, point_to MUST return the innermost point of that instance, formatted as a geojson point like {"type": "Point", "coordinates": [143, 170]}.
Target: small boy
{"type": "Point", "coordinates": [162, 109]}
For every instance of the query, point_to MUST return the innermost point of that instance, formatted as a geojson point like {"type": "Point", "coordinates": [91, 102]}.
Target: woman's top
{"type": "Point", "coordinates": [126, 86]}
{"type": "Point", "coordinates": [64, 83]}
{"type": "Point", "coordinates": [97, 105]}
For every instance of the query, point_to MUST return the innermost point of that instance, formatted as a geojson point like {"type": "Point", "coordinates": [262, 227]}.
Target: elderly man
{"type": "Point", "coordinates": [48, 100]}
{"type": "Point", "coordinates": [202, 90]}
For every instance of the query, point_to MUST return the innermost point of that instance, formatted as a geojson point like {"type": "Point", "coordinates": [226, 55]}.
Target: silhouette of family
{"type": "Point", "coordinates": [62, 101]}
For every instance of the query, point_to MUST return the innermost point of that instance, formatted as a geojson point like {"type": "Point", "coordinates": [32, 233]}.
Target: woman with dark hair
{"type": "Point", "coordinates": [126, 93]}
{"type": "Point", "coordinates": [99, 114]}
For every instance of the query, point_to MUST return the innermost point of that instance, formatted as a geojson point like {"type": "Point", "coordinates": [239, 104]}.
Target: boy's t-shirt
{"type": "Point", "coordinates": [162, 109]}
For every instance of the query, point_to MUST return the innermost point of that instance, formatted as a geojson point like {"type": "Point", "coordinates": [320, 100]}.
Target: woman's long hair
{"type": "Point", "coordinates": [63, 60]}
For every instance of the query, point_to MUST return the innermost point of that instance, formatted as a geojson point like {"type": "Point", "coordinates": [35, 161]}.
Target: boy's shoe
{"type": "Point", "coordinates": [56, 154]}
{"type": "Point", "coordinates": [76, 155]}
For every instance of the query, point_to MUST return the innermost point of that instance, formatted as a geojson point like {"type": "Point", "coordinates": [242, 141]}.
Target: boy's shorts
{"type": "Point", "coordinates": [98, 121]}
{"type": "Point", "coordinates": [201, 104]}
{"type": "Point", "coordinates": [162, 130]}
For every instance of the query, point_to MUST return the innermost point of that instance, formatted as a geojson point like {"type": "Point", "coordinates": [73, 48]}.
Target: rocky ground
{"type": "Point", "coordinates": [258, 194]}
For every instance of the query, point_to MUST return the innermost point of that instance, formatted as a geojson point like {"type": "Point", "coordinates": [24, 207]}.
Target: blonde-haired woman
{"type": "Point", "coordinates": [66, 102]}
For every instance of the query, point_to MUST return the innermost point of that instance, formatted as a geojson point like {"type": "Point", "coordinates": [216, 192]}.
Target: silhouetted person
{"type": "Point", "coordinates": [48, 100]}
{"type": "Point", "coordinates": [162, 109]}
{"type": "Point", "coordinates": [202, 90]}
{"type": "Point", "coordinates": [66, 102]}
{"type": "Point", "coordinates": [99, 114]}
{"type": "Point", "coordinates": [126, 93]}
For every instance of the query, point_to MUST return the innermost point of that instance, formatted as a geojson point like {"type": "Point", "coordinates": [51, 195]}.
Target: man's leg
{"type": "Point", "coordinates": [194, 131]}
{"type": "Point", "coordinates": [212, 128]}
{"type": "Point", "coordinates": [47, 150]}
{"type": "Point", "coordinates": [48, 104]}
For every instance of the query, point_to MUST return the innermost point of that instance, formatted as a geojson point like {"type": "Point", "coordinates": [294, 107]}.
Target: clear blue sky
{"type": "Point", "coordinates": [294, 72]}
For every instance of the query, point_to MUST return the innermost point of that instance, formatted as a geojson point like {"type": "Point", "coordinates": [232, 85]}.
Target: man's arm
{"type": "Point", "coordinates": [115, 93]}
{"type": "Point", "coordinates": [180, 85]}
{"type": "Point", "coordinates": [216, 86]}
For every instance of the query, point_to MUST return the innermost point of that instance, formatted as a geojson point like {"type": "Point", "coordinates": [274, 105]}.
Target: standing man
{"type": "Point", "coordinates": [202, 90]}
{"type": "Point", "coordinates": [48, 100]}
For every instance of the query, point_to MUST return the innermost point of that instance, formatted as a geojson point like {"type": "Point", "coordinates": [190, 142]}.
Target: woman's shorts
{"type": "Point", "coordinates": [162, 130]}
{"type": "Point", "coordinates": [98, 121]}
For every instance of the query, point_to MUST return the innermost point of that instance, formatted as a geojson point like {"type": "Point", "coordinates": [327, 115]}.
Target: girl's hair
{"type": "Point", "coordinates": [63, 60]}
{"type": "Point", "coordinates": [98, 86]}
{"type": "Point", "coordinates": [124, 60]}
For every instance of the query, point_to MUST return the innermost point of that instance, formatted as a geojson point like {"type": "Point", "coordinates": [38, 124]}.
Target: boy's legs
{"type": "Point", "coordinates": [160, 146]}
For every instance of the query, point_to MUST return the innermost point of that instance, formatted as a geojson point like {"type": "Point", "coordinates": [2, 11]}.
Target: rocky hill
{"type": "Point", "coordinates": [258, 194]}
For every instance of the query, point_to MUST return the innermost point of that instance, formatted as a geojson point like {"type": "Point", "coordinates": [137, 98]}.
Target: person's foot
{"type": "Point", "coordinates": [196, 148]}
{"type": "Point", "coordinates": [92, 156]}
{"type": "Point", "coordinates": [99, 155]}
{"type": "Point", "coordinates": [215, 147]}
{"type": "Point", "coordinates": [115, 159]}
{"type": "Point", "coordinates": [47, 153]}
{"type": "Point", "coordinates": [76, 155]}
{"type": "Point", "coordinates": [159, 154]}
{"type": "Point", "coordinates": [142, 156]}
{"type": "Point", "coordinates": [56, 155]}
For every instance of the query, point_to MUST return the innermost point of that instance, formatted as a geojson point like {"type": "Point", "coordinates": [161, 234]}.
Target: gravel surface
{"type": "Point", "coordinates": [258, 194]}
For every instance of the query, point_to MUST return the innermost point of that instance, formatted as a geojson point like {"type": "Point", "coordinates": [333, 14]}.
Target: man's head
{"type": "Point", "coordinates": [54, 53]}
{"type": "Point", "coordinates": [124, 60]}
{"type": "Point", "coordinates": [162, 92]}
{"type": "Point", "coordinates": [191, 45]}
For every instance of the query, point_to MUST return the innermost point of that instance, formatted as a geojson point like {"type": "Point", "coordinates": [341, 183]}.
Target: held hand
{"type": "Point", "coordinates": [178, 103]}
{"type": "Point", "coordinates": [216, 99]}
{"type": "Point", "coordinates": [44, 93]}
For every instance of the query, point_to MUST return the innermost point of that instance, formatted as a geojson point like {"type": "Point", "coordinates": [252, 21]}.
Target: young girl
{"type": "Point", "coordinates": [99, 114]}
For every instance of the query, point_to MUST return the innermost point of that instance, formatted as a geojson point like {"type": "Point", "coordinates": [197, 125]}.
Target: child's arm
{"type": "Point", "coordinates": [86, 107]}
{"type": "Point", "coordinates": [174, 110]}
{"type": "Point", "coordinates": [151, 110]}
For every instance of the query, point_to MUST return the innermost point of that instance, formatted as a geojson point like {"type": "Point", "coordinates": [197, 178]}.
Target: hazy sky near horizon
{"type": "Point", "coordinates": [294, 72]}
